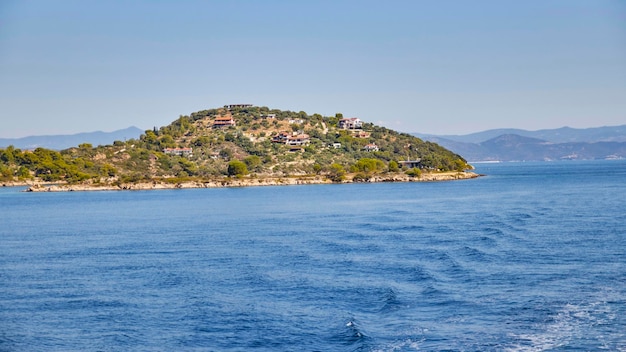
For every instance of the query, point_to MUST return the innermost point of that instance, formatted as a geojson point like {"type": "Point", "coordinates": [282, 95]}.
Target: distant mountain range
{"type": "Point", "coordinates": [544, 145]}
{"type": "Point", "coordinates": [492, 145]}
{"type": "Point", "coordinates": [60, 142]}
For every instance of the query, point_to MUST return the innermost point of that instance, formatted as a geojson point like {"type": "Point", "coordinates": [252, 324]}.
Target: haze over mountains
{"type": "Point", "coordinates": [60, 142]}
{"type": "Point", "coordinates": [543, 145]}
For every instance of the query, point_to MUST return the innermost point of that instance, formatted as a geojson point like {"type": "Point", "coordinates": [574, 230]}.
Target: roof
{"type": "Point", "coordinates": [178, 149]}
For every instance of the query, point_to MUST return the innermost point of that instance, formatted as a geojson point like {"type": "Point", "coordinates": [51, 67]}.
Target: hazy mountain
{"type": "Point", "coordinates": [555, 144]}
{"type": "Point", "coordinates": [558, 135]}
{"type": "Point", "coordinates": [60, 142]}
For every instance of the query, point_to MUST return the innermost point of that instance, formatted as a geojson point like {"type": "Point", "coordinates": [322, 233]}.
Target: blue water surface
{"type": "Point", "coordinates": [530, 257]}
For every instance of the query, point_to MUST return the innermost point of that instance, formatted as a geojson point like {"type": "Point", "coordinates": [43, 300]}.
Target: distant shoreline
{"type": "Point", "coordinates": [236, 182]}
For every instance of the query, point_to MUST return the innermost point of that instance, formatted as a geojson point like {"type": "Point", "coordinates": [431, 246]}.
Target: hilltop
{"type": "Point", "coordinates": [240, 145]}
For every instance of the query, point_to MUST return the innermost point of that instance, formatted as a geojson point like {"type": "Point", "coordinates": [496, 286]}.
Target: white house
{"type": "Point", "coordinates": [371, 147]}
{"type": "Point", "coordinates": [296, 121]}
{"type": "Point", "coordinates": [292, 139]}
{"type": "Point", "coordinates": [350, 123]}
{"type": "Point", "coordinates": [178, 151]}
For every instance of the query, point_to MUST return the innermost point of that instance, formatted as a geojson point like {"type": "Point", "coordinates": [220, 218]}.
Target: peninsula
{"type": "Point", "coordinates": [234, 146]}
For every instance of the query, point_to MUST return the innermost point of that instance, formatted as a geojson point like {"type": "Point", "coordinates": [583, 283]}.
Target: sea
{"type": "Point", "coordinates": [528, 257]}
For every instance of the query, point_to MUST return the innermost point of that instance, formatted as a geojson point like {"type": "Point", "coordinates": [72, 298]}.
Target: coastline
{"type": "Point", "coordinates": [34, 186]}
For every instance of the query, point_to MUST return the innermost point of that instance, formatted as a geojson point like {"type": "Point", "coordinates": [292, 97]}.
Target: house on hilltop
{"type": "Point", "coordinates": [224, 121]}
{"type": "Point", "coordinates": [352, 123]}
{"type": "Point", "coordinates": [237, 106]}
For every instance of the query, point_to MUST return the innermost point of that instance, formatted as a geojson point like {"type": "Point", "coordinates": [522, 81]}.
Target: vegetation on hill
{"type": "Point", "coordinates": [238, 142]}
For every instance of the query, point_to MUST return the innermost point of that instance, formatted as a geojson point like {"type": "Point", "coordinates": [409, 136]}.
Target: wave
{"type": "Point", "coordinates": [475, 254]}
{"type": "Point", "coordinates": [351, 335]}
{"type": "Point", "coordinates": [389, 301]}
{"type": "Point", "coordinates": [576, 326]}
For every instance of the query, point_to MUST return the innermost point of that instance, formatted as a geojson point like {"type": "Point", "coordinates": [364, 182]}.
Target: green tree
{"type": "Point", "coordinates": [367, 165]}
{"type": "Point", "coordinates": [108, 170]}
{"type": "Point", "coordinates": [414, 172]}
{"type": "Point", "coordinates": [237, 168]}
{"type": "Point", "coordinates": [150, 137]}
{"type": "Point", "coordinates": [460, 165]}
{"type": "Point", "coordinates": [337, 172]}
{"type": "Point", "coordinates": [253, 162]}
{"type": "Point", "coordinates": [167, 142]}
{"type": "Point", "coordinates": [23, 173]}
{"type": "Point", "coordinates": [393, 166]}
{"type": "Point", "coordinates": [5, 173]}
{"type": "Point", "coordinates": [8, 155]}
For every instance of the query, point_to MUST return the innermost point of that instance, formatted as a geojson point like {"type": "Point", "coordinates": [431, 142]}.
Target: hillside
{"type": "Point", "coordinates": [238, 142]}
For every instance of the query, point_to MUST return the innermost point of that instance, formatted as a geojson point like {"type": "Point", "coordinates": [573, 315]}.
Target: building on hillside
{"type": "Point", "coordinates": [351, 123]}
{"type": "Point", "coordinates": [268, 116]}
{"type": "Point", "coordinates": [178, 151]}
{"type": "Point", "coordinates": [299, 139]}
{"type": "Point", "coordinates": [296, 121]}
{"type": "Point", "coordinates": [371, 147]}
{"type": "Point", "coordinates": [409, 164]}
{"type": "Point", "coordinates": [237, 106]}
{"type": "Point", "coordinates": [224, 121]}
{"type": "Point", "coordinates": [292, 139]}
{"type": "Point", "coordinates": [281, 137]}
{"type": "Point", "coordinates": [360, 134]}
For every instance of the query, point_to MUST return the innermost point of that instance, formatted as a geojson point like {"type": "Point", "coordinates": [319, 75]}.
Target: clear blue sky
{"type": "Point", "coordinates": [441, 67]}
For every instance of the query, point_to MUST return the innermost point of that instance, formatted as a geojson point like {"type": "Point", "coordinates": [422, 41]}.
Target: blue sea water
{"type": "Point", "coordinates": [530, 257]}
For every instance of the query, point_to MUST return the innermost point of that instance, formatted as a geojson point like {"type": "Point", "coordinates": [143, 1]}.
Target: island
{"type": "Point", "coordinates": [235, 146]}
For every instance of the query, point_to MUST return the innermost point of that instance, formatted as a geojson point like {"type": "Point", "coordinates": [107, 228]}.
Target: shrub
{"type": "Point", "coordinates": [414, 172]}
{"type": "Point", "coordinates": [393, 166]}
{"type": "Point", "coordinates": [237, 168]}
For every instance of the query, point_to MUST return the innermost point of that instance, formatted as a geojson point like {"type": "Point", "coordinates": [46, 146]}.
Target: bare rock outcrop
{"type": "Point", "coordinates": [247, 182]}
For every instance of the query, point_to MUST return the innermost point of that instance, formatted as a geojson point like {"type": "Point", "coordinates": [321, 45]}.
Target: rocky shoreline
{"type": "Point", "coordinates": [236, 182]}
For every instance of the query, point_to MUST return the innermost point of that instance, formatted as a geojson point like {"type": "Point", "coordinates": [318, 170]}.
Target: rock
{"type": "Point", "coordinates": [248, 182]}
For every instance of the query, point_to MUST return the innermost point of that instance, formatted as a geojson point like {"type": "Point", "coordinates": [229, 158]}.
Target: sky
{"type": "Point", "coordinates": [437, 67]}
